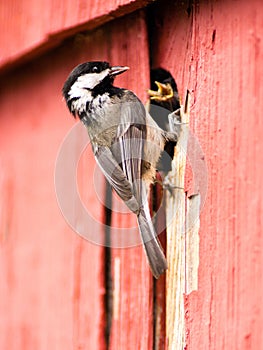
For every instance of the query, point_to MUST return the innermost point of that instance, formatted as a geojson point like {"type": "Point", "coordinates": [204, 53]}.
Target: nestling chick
{"type": "Point", "coordinates": [167, 99]}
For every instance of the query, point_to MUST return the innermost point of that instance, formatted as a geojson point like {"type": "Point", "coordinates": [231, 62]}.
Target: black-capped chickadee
{"type": "Point", "coordinates": [126, 142]}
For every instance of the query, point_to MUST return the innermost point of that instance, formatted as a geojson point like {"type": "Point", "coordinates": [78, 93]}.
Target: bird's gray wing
{"type": "Point", "coordinates": [116, 177]}
{"type": "Point", "coordinates": [122, 162]}
{"type": "Point", "coordinates": [131, 137]}
{"type": "Point", "coordinates": [129, 144]}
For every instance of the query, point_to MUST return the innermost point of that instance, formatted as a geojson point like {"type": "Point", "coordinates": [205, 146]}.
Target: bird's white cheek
{"type": "Point", "coordinates": [77, 91]}
{"type": "Point", "coordinates": [90, 80]}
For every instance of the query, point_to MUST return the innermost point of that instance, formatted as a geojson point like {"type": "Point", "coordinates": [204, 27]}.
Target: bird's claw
{"type": "Point", "coordinates": [175, 122]}
{"type": "Point", "coordinates": [167, 185]}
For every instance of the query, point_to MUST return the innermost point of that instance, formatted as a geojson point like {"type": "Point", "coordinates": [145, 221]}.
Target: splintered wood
{"type": "Point", "coordinates": [179, 226]}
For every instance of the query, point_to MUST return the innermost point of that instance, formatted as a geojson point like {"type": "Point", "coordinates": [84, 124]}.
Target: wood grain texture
{"type": "Point", "coordinates": [32, 27]}
{"type": "Point", "coordinates": [51, 280]}
{"type": "Point", "coordinates": [192, 243]}
{"type": "Point", "coordinates": [55, 280]}
{"type": "Point", "coordinates": [176, 242]}
{"type": "Point", "coordinates": [216, 52]}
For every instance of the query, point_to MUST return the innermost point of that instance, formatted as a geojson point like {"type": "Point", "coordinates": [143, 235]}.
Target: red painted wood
{"type": "Point", "coordinates": [216, 53]}
{"type": "Point", "coordinates": [31, 27]}
{"type": "Point", "coordinates": [51, 280]}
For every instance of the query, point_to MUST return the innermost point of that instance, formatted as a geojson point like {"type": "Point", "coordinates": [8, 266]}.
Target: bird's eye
{"type": "Point", "coordinates": [95, 69]}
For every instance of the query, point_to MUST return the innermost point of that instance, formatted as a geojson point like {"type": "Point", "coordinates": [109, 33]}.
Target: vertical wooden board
{"type": "Point", "coordinates": [52, 281]}
{"type": "Point", "coordinates": [176, 243]}
{"type": "Point", "coordinates": [233, 149]}
{"type": "Point", "coordinates": [131, 326]}
{"type": "Point", "coordinates": [216, 52]}
{"type": "Point", "coordinates": [36, 276]}
{"type": "Point", "coordinates": [169, 50]}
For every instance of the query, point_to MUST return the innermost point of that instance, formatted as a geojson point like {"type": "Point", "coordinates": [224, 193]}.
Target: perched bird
{"type": "Point", "coordinates": [126, 142]}
{"type": "Point", "coordinates": [163, 102]}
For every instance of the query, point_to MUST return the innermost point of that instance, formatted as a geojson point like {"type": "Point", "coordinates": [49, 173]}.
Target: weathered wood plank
{"type": "Point", "coordinates": [216, 52]}
{"type": "Point", "coordinates": [176, 247]}
{"type": "Point", "coordinates": [32, 27]}
{"type": "Point", "coordinates": [51, 279]}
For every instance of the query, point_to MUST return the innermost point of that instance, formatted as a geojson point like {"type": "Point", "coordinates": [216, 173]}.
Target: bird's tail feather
{"type": "Point", "coordinates": [151, 243]}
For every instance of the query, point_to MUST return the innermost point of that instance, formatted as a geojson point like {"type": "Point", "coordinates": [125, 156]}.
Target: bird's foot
{"type": "Point", "coordinates": [175, 121]}
{"type": "Point", "coordinates": [168, 185]}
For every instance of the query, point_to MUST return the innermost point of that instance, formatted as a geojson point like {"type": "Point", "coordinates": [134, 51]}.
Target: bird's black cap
{"type": "Point", "coordinates": [83, 68]}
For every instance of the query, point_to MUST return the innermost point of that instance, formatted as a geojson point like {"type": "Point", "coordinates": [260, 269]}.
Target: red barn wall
{"type": "Point", "coordinates": [52, 287]}
{"type": "Point", "coordinates": [217, 55]}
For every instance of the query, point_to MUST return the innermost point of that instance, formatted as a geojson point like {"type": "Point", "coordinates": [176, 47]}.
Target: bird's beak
{"type": "Point", "coordinates": [164, 92]}
{"type": "Point", "coordinates": [118, 70]}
